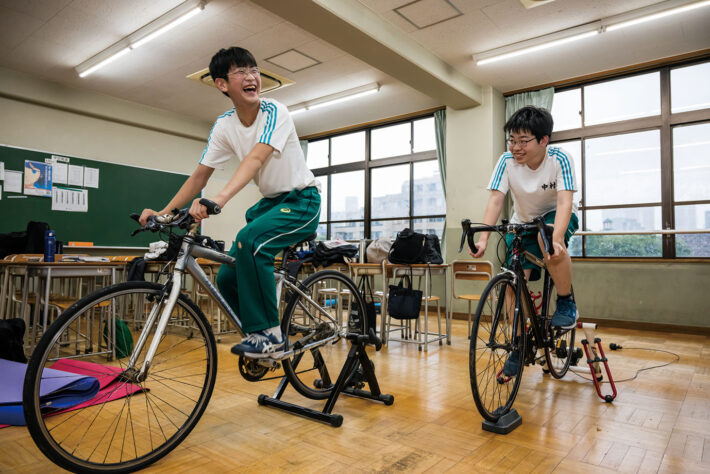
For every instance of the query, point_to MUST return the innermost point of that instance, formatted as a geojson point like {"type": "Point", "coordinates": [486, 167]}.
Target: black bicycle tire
{"type": "Point", "coordinates": [290, 371]}
{"type": "Point", "coordinates": [491, 417]}
{"type": "Point", "coordinates": [33, 415]}
{"type": "Point", "coordinates": [548, 348]}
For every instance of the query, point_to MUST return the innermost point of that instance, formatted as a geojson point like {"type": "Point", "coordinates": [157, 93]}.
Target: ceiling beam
{"type": "Point", "coordinates": [360, 32]}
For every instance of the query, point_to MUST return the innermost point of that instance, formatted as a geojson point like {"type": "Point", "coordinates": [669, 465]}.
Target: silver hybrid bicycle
{"type": "Point", "coordinates": [151, 397]}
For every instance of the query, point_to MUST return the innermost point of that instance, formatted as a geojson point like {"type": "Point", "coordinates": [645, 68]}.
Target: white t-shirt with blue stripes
{"type": "Point", "coordinates": [535, 191]}
{"type": "Point", "coordinates": [283, 171]}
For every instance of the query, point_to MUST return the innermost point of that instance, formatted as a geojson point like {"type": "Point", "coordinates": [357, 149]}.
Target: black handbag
{"type": "Point", "coordinates": [370, 320]}
{"type": "Point", "coordinates": [402, 301]}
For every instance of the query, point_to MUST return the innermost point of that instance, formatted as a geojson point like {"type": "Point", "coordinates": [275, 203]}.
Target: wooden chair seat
{"type": "Point", "coordinates": [60, 301]}
{"type": "Point", "coordinates": [469, 297]}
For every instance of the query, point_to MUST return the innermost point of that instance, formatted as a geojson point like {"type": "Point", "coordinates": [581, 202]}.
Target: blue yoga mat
{"type": "Point", "coordinates": [58, 390]}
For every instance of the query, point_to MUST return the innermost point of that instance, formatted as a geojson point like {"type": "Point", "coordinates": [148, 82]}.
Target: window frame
{"type": "Point", "coordinates": [369, 164]}
{"type": "Point", "coordinates": [665, 122]}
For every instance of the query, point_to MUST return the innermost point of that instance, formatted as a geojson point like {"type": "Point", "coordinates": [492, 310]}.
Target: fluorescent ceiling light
{"type": "Point", "coordinates": [539, 47]}
{"type": "Point", "coordinates": [336, 98]}
{"type": "Point", "coordinates": [167, 27]}
{"type": "Point", "coordinates": [656, 16]}
{"type": "Point", "coordinates": [104, 62]}
{"type": "Point", "coordinates": [641, 15]}
{"type": "Point", "coordinates": [152, 30]}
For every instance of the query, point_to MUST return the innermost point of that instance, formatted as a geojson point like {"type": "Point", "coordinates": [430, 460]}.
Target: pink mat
{"type": "Point", "coordinates": [110, 388]}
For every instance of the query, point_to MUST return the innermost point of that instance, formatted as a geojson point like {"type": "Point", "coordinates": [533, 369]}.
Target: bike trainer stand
{"type": "Point", "coordinates": [357, 355]}
{"type": "Point", "coordinates": [591, 350]}
{"type": "Point", "coordinates": [505, 423]}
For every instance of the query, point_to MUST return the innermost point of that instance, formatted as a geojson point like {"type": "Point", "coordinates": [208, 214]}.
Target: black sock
{"type": "Point", "coordinates": [565, 297]}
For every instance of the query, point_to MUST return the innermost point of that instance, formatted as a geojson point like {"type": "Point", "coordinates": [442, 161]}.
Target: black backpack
{"type": "Point", "coordinates": [412, 247]}
{"type": "Point", "coordinates": [12, 332]}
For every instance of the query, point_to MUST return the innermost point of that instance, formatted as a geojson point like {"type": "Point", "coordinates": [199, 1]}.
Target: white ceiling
{"type": "Point", "coordinates": [48, 38]}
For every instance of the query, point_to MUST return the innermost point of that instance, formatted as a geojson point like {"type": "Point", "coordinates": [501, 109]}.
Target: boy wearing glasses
{"type": "Point", "coordinates": [261, 135]}
{"type": "Point", "coordinates": [541, 179]}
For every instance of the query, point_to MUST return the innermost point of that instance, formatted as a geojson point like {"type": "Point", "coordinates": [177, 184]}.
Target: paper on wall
{"type": "Point", "coordinates": [38, 178]}
{"type": "Point", "coordinates": [2, 170]}
{"type": "Point", "coordinates": [60, 171]}
{"type": "Point", "coordinates": [91, 177]}
{"type": "Point", "coordinates": [13, 181]}
{"type": "Point", "coordinates": [71, 200]}
{"type": "Point", "coordinates": [76, 175]}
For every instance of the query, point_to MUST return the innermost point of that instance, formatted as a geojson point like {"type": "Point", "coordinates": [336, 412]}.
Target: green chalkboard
{"type": "Point", "coordinates": [122, 190]}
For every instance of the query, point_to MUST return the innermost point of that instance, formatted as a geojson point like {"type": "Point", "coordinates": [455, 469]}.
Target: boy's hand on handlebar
{"type": "Point", "coordinates": [480, 247]}
{"type": "Point", "coordinates": [143, 219]}
{"type": "Point", "coordinates": [560, 251]}
{"type": "Point", "coordinates": [199, 211]}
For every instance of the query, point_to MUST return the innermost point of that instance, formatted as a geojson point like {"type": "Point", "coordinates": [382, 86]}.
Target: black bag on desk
{"type": "Point", "coordinates": [432, 250]}
{"type": "Point", "coordinates": [412, 247]}
{"type": "Point", "coordinates": [402, 301]}
{"type": "Point", "coordinates": [355, 322]}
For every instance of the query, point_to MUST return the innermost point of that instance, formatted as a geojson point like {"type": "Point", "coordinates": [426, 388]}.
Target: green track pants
{"type": "Point", "coordinates": [272, 225]}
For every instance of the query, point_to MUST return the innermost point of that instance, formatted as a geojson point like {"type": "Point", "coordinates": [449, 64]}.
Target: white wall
{"type": "Point", "coordinates": [49, 117]}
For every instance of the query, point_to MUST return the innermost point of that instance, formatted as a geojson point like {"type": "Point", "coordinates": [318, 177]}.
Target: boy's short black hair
{"type": "Point", "coordinates": [224, 59]}
{"type": "Point", "coordinates": [535, 120]}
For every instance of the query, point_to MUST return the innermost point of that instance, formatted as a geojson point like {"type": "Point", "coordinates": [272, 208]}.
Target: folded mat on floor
{"type": "Point", "coordinates": [68, 385]}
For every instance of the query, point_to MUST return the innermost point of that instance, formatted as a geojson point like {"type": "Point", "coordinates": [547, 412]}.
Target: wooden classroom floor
{"type": "Point", "coordinates": [660, 422]}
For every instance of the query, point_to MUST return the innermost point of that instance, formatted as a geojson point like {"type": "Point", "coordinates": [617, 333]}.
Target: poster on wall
{"type": "Point", "coordinates": [38, 178]}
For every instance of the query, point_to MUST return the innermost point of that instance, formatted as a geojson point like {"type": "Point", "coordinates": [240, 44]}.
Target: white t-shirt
{"type": "Point", "coordinates": [535, 191]}
{"type": "Point", "coordinates": [284, 170]}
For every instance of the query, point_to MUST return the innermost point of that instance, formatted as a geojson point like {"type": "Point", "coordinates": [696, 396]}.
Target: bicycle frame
{"type": "Point", "coordinates": [523, 294]}
{"type": "Point", "coordinates": [186, 262]}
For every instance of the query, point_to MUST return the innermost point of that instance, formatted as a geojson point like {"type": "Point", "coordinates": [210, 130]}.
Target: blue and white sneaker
{"type": "Point", "coordinates": [259, 345]}
{"type": "Point", "coordinates": [566, 314]}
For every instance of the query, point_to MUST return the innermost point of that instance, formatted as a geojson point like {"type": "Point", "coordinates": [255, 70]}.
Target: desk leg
{"type": "Point", "coordinates": [4, 292]}
{"type": "Point", "coordinates": [45, 314]}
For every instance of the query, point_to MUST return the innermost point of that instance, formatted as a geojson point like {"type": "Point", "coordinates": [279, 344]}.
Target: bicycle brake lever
{"type": "Point", "coordinates": [541, 227]}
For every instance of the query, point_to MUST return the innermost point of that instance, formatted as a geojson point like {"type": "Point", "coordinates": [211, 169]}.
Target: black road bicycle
{"type": "Point", "coordinates": [507, 320]}
{"type": "Point", "coordinates": [162, 387]}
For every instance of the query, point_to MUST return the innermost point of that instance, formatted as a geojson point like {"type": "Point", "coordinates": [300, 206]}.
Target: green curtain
{"type": "Point", "coordinates": [440, 131]}
{"type": "Point", "coordinates": [542, 98]}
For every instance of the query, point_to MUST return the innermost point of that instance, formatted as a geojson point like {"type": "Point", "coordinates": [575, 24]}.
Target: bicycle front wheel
{"type": "Point", "coordinates": [314, 321]}
{"type": "Point", "coordinates": [493, 342]}
{"type": "Point", "coordinates": [131, 422]}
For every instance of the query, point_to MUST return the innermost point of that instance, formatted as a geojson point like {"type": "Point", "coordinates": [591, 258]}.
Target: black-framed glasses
{"type": "Point", "coordinates": [521, 143]}
{"type": "Point", "coordinates": [245, 71]}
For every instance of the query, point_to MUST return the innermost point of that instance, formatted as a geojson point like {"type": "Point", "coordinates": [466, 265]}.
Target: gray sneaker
{"type": "Point", "coordinates": [566, 314]}
{"type": "Point", "coordinates": [259, 345]}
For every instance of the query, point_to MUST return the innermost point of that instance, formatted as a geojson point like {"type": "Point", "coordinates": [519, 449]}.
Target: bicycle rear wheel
{"type": "Point", "coordinates": [324, 315]}
{"type": "Point", "coordinates": [558, 353]}
{"type": "Point", "coordinates": [492, 343]}
{"type": "Point", "coordinates": [130, 423]}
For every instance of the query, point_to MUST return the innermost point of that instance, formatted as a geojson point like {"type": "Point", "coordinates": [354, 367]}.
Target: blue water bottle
{"type": "Point", "coordinates": [50, 243]}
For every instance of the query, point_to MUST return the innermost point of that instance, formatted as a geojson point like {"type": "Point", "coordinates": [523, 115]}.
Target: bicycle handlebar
{"type": "Point", "coordinates": [180, 218]}
{"type": "Point", "coordinates": [537, 224]}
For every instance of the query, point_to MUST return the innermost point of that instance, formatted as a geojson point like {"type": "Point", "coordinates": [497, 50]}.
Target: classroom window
{"type": "Point", "coordinates": [622, 99]}
{"type": "Point", "coordinates": [641, 160]}
{"type": "Point", "coordinates": [347, 148]}
{"type": "Point", "coordinates": [378, 190]}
